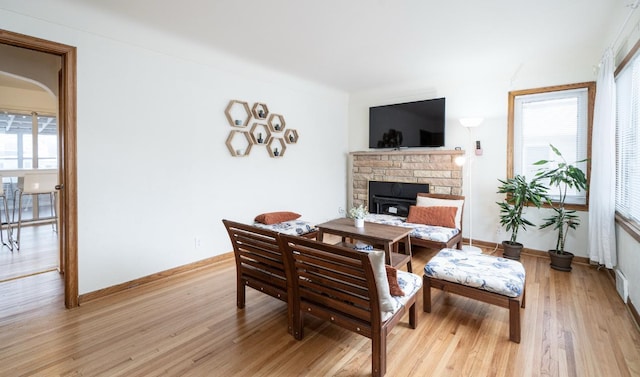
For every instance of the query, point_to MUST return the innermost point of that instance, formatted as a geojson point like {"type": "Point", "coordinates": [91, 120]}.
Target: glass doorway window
{"type": "Point", "coordinates": [28, 140]}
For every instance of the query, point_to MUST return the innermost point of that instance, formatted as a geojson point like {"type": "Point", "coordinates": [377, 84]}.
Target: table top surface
{"type": "Point", "coordinates": [374, 231]}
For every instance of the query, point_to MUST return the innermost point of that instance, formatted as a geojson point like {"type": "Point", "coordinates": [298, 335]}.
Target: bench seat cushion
{"type": "Point", "coordinates": [493, 274]}
{"type": "Point", "coordinates": [292, 227]}
{"type": "Point", "coordinates": [410, 284]}
{"type": "Point", "coordinates": [421, 231]}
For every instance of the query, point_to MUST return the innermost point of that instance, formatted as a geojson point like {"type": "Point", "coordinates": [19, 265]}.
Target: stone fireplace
{"type": "Point", "coordinates": [432, 170]}
{"type": "Point", "coordinates": [394, 198]}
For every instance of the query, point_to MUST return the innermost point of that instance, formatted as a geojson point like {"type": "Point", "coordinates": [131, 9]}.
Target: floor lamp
{"type": "Point", "coordinates": [470, 124]}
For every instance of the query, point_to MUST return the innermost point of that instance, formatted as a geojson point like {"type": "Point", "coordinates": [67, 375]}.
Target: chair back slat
{"type": "Point", "coordinates": [259, 261]}
{"type": "Point", "coordinates": [333, 282]}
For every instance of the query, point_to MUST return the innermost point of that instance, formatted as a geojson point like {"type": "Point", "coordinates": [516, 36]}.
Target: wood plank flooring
{"type": "Point", "coordinates": [38, 253]}
{"type": "Point", "coordinates": [574, 324]}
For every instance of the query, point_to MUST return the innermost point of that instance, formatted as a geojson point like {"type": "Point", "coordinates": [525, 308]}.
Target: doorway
{"type": "Point", "coordinates": [67, 189]}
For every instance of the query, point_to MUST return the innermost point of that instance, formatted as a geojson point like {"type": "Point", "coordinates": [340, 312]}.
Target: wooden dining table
{"type": "Point", "coordinates": [388, 237]}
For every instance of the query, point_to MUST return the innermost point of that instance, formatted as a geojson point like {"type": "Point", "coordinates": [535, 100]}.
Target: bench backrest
{"type": "Point", "coordinates": [446, 197]}
{"type": "Point", "coordinates": [456, 241]}
{"type": "Point", "coordinates": [333, 283]}
{"type": "Point", "coordinates": [259, 261]}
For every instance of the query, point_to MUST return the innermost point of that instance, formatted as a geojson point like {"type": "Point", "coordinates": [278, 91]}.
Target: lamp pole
{"type": "Point", "coordinates": [470, 124]}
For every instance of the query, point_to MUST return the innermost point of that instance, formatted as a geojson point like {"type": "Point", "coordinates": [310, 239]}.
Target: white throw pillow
{"type": "Point", "coordinates": [425, 201]}
{"type": "Point", "coordinates": [382, 284]}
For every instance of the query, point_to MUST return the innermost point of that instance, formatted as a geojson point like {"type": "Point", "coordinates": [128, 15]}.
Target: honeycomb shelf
{"type": "Point", "coordinates": [239, 143]}
{"type": "Point", "coordinates": [238, 113]}
{"type": "Point", "coordinates": [291, 136]}
{"type": "Point", "coordinates": [276, 147]}
{"type": "Point", "coordinates": [276, 123]}
{"type": "Point", "coordinates": [267, 129]}
{"type": "Point", "coordinates": [260, 111]}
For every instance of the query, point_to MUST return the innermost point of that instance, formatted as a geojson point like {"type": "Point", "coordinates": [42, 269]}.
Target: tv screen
{"type": "Point", "coordinates": [411, 124]}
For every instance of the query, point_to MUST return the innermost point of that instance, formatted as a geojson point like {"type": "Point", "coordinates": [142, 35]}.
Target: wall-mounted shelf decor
{"type": "Point", "coordinates": [260, 110]}
{"type": "Point", "coordinates": [238, 113]}
{"type": "Point", "coordinates": [239, 143]}
{"type": "Point", "coordinates": [277, 147]}
{"type": "Point", "coordinates": [267, 129]}
{"type": "Point", "coordinates": [260, 134]}
{"type": "Point", "coordinates": [291, 136]}
{"type": "Point", "coordinates": [276, 123]}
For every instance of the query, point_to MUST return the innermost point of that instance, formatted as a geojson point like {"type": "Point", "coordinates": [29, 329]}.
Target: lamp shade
{"type": "Point", "coordinates": [471, 122]}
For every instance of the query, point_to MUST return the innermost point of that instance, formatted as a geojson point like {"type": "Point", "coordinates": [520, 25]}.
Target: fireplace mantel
{"type": "Point", "coordinates": [434, 167]}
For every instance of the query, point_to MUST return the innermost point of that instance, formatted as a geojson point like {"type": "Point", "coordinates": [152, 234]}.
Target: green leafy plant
{"type": "Point", "coordinates": [520, 193]}
{"type": "Point", "coordinates": [563, 176]}
{"type": "Point", "coordinates": [359, 212]}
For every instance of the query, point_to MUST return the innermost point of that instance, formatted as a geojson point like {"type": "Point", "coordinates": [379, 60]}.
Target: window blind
{"type": "Point", "coordinates": [558, 118]}
{"type": "Point", "coordinates": [627, 143]}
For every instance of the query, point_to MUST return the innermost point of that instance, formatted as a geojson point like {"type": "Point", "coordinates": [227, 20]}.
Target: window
{"type": "Point", "coordinates": [628, 141]}
{"type": "Point", "coordinates": [20, 135]}
{"type": "Point", "coordinates": [558, 115]}
{"type": "Point", "coordinates": [17, 133]}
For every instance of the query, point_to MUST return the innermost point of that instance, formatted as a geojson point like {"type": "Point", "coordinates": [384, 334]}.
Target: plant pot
{"type": "Point", "coordinates": [561, 262]}
{"type": "Point", "coordinates": [359, 223]}
{"type": "Point", "coordinates": [511, 250]}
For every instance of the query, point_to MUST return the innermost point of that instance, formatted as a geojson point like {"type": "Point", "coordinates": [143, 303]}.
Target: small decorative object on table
{"type": "Point", "coordinates": [362, 246]}
{"type": "Point", "coordinates": [358, 214]}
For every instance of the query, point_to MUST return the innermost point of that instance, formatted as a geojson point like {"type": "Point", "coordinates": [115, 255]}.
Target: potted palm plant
{"type": "Point", "coordinates": [520, 193]}
{"type": "Point", "coordinates": [563, 176]}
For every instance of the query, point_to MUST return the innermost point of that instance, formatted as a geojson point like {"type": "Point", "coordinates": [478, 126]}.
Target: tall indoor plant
{"type": "Point", "coordinates": [563, 176]}
{"type": "Point", "coordinates": [520, 193]}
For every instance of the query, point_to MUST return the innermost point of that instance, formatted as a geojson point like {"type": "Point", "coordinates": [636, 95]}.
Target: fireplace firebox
{"type": "Point", "coordinates": [394, 198]}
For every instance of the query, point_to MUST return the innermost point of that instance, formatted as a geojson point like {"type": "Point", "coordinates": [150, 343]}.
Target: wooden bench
{"type": "Point", "coordinates": [486, 278]}
{"type": "Point", "coordinates": [338, 284]}
{"type": "Point", "coordinates": [454, 241]}
{"type": "Point", "coordinates": [259, 263]}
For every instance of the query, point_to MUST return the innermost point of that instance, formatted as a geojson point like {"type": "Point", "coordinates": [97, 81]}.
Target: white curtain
{"type": "Point", "coordinates": [602, 196]}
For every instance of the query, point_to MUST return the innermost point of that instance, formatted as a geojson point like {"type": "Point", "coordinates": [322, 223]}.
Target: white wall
{"type": "Point", "coordinates": [479, 93]}
{"type": "Point", "coordinates": [629, 263]}
{"type": "Point", "coordinates": [153, 168]}
{"type": "Point", "coordinates": [488, 99]}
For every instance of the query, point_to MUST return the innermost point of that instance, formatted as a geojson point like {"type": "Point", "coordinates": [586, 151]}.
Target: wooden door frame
{"type": "Point", "coordinates": [67, 161]}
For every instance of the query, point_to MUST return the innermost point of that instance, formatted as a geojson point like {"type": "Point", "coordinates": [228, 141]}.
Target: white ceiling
{"type": "Point", "coordinates": [356, 45]}
{"type": "Point", "coordinates": [18, 83]}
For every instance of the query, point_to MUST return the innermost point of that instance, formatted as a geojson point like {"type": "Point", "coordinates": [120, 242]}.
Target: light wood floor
{"type": "Point", "coordinates": [38, 253]}
{"type": "Point", "coordinates": [574, 324]}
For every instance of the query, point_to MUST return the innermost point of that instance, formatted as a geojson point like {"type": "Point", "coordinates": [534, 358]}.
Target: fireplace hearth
{"type": "Point", "coordinates": [394, 198]}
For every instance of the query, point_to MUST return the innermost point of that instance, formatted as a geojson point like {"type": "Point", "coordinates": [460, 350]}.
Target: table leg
{"type": "Point", "coordinates": [388, 247]}
{"type": "Point", "coordinates": [407, 249]}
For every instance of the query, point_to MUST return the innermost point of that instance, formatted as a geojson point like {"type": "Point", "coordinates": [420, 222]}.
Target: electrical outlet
{"type": "Point", "coordinates": [196, 242]}
{"type": "Point", "coordinates": [341, 211]}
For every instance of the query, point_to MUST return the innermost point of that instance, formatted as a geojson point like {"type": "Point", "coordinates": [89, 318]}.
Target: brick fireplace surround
{"type": "Point", "coordinates": [435, 167]}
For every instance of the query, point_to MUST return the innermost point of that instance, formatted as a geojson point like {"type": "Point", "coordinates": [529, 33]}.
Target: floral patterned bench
{"type": "Point", "coordinates": [494, 280]}
{"type": "Point", "coordinates": [292, 228]}
{"type": "Point", "coordinates": [430, 236]}
{"type": "Point", "coordinates": [435, 237]}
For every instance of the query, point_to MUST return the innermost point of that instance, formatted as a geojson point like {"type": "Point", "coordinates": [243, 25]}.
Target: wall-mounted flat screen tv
{"type": "Point", "coordinates": [410, 124]}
